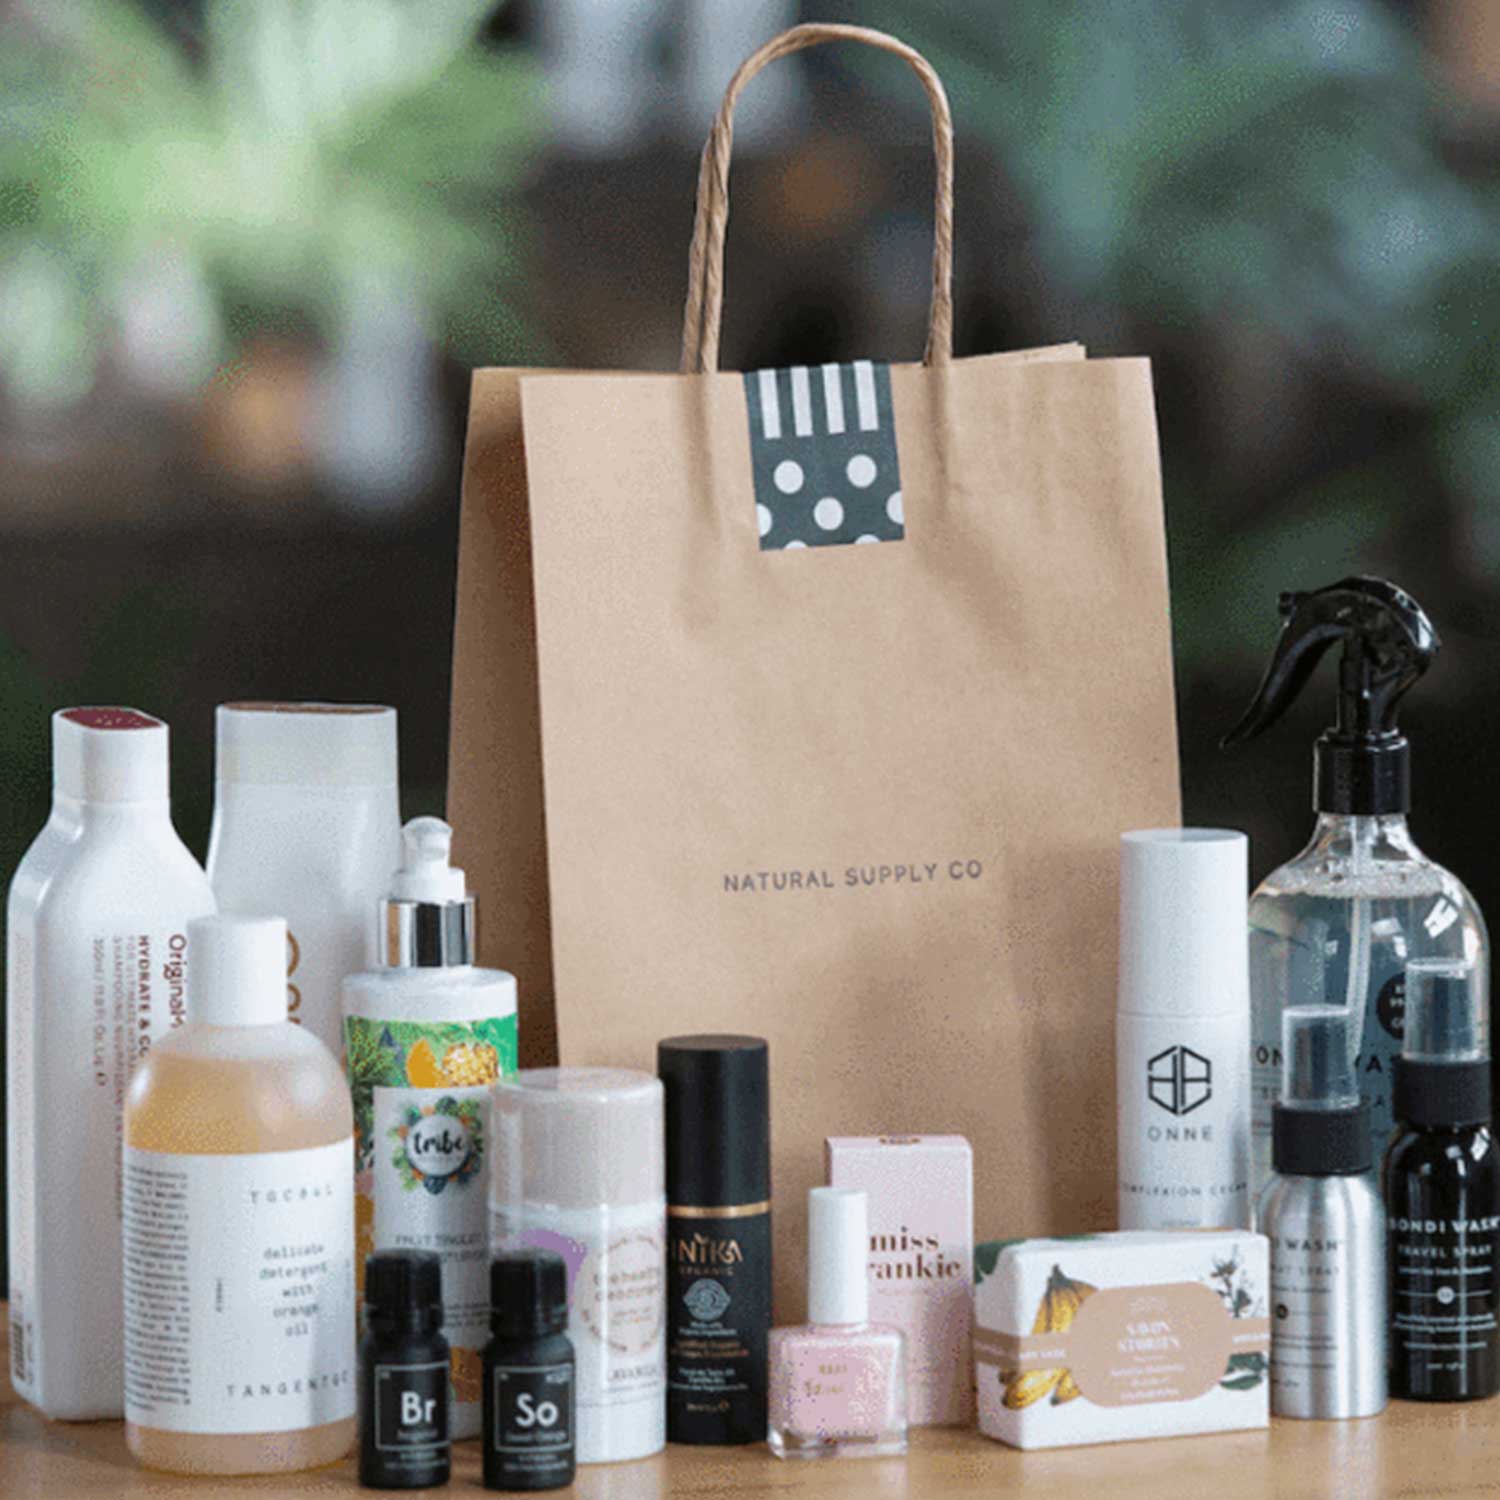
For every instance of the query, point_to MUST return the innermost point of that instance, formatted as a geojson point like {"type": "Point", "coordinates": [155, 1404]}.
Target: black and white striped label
{"type": "Point", "coordinates": [823, 448]}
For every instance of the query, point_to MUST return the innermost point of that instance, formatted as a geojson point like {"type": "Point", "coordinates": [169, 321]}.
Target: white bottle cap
{"type": "Point", "coordinates": [838, 1256]}
{"type": "Point", "coordinates": [1184, 928]}
{"type": "Point", "coordinates": [578, 1138]}
{"type": "Point", "coordinates": [425, 874]}
{"type": "Point", "coordinates": [306, 744]}
{"type": "Point", "coordinates": [237, 971]}
{"type": "Point", "coordinates": [109, 755]}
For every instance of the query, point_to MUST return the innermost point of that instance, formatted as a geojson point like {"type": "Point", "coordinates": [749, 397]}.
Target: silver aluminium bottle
{"type": "Point", "coordinates": [1322, 1213]}
{"type": "Point", "coordinates": [1182, 1035]}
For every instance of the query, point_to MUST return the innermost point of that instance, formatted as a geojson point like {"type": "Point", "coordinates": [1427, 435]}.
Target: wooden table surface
{"type": "Point", "coordinates": [1413, 1451]}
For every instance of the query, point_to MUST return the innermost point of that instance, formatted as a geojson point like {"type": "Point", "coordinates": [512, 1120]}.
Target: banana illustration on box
{"type": "Point", "coordinates": [1059, 1306]}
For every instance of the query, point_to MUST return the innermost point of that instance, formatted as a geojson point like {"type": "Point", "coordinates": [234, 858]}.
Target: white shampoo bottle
{"type": "Point", "coordinates": [1182, 1052]}
{"type": "Point", "coordinates": [307, 826]}
{"type": "Point", "coordinates": [96, 964]}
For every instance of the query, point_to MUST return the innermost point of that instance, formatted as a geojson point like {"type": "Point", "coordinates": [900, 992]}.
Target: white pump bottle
{"type": "Point", "coordinates": [425, 1036]}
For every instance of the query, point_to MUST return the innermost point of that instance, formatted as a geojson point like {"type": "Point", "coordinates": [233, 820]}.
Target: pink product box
{"type": "Point", "coordinates": [921, 1193]}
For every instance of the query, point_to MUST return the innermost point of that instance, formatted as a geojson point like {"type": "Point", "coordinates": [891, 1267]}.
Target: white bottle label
{"type": "Point", "coordinates": [430, 1184]}
{"type": "Point", "coordinates": [84, 1012]}
{"type": "Point", "coordinates": [239, 1290]}
{"type": "Point", "coordinates": [1184, 1122]}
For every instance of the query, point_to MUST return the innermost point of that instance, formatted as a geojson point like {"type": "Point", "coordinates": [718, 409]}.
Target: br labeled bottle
{"type": "Point", "coordinates": [404, 1441]}
{"type": "Point", "coordinates": [239, 1226]}
{"type": "Point", "coordinates": [1442, 1193]}
{"type": "Point", "coordinates": [1322, 1214]}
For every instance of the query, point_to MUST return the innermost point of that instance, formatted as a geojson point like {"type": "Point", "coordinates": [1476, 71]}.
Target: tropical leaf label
{"type": "Point", "coordinates": [422, 1129]}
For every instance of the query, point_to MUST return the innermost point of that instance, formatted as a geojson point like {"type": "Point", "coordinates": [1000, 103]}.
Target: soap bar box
{"type": "Point", "coordinates": [1101, 1338]}
{"type": "Point", "coordinates": [921, 1267]}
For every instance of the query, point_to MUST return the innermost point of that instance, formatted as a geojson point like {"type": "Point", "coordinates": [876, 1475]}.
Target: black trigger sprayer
{"type": "Point", "coordinates": [1362, 762]}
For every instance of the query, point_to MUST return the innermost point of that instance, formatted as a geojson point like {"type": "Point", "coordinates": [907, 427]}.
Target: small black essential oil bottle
{"type": "Point", "coordinates": [1442, 1193]}
{"type": "Point", "coordinates": [403, 1373]}
{"type": "Point", "coordinates": [718, 1236]}
{"type": "Point", "coordinates": [528, 1374]}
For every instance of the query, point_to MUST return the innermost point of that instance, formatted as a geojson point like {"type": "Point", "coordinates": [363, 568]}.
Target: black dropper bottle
{"type": "Point", "coordinates": [403, 1373]}
{"type": "Point", "coordinates": [1442, 1193]}
{"type": "Point", "coordinates": [529, 1428]}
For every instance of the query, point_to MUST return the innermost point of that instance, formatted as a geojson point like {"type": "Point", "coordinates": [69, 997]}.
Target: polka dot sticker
{"type": "Point", "coordinates": [828, 513]}
{"type": "Point", "coordinates": [788, 476]}
{"type": "Point", "coordinates": [823, 456]}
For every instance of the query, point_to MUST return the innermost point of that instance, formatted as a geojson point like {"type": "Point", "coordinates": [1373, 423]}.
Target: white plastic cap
{"type": "Point", "coordinates": [578, 1138]}
{"type": "Point", "coordinates": [306, 744]}
{"type": "Point", "coordinates": [1184, 928]}
{"type": "Point", "coordinates": [109, 755]}
{"type": "Point", "coordinates": [237, 971]}
{"type": "Point", "coordinates": [838, 1256]}
{"type": "Point", "coordinates": [425, 874]}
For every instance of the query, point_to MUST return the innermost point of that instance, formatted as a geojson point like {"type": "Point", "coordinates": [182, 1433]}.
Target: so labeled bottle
{"type": "Point", "coordinates": [1338, 924]}
{"type": "Point", "coordinates": [1321, 1212]}
{"type": "Point", "coordinates": [425, 1037]}
{"type": "Point", "coordinates": [239, 1226]}
{"type": "Point", "coordinates": [1182, 1034]}
{"type": "Point", "coordinates": [1442, 1193]}
{"type": "Point", "coordinates": [96, 977]}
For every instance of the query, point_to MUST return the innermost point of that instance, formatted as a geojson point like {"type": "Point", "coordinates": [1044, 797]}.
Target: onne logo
{"type": "Point", "coordinates": [1179, 1080]}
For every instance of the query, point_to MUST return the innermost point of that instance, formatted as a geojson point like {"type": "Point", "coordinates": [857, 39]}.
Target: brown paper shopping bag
{"type": "Point", "coordinates": [812, 703]}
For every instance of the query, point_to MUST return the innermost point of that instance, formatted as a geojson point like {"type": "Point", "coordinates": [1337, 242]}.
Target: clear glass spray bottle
{"type": "Point", "coordinates": [1338, 924]}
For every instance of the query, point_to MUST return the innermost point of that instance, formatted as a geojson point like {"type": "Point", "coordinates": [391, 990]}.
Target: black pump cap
{"type": "Point", "coordinates": [718, 1104]}
{"type": "Point", "coordinates": [1321, 1142]}
{"type": "Point", "coordinates": [1441, 1094]}
{"type": "Point", "coordinates": [528, 1294]}
{"type": "Point", "coordinates": [1362, 763]}
{"type": "Point", "coordinates": [404, 1287]}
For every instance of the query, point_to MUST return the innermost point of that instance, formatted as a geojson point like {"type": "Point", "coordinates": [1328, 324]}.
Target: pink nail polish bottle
{"type": "Point", "coordinates": [838, 1384]}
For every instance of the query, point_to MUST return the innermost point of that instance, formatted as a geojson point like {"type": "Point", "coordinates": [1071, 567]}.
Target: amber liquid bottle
{"type": "Point", "coordinates": [1442, 1194]}
{"type": "Point", "coordinates": [239, 1226]}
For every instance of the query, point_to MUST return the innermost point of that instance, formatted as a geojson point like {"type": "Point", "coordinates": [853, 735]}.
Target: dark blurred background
{"type": "Point", "coordinates": [250, 252]}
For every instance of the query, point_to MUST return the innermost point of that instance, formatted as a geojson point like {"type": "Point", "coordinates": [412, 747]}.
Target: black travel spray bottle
{"type": "Point", "coordinates": [718, 1236]}
{"type": "Point", "coordinates": [529, 1430]}
{"type": "Point", "coordinates": [403, 1373]}
{"type": "Point", "coordinates": [1442, 1193]}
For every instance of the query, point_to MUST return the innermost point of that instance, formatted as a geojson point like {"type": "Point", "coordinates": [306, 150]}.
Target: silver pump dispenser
{"type": "Point", "coordinates": [428, 920]}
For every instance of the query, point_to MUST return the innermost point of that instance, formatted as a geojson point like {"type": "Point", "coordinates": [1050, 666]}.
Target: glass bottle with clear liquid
{"type": "Point", "coordinates": [1338, 924]}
